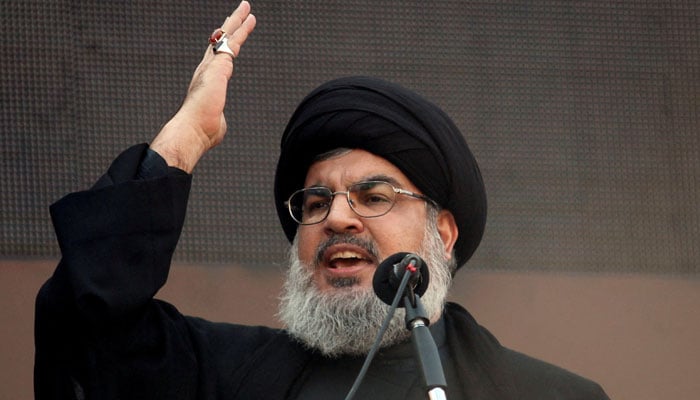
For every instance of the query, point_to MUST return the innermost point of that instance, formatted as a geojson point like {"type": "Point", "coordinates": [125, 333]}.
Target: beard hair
{"type": "Point", "coordinates": [345, 320]}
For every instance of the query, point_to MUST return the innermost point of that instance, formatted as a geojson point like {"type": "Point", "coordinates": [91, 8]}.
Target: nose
{"type": "Point", "coordinates": [341, 218]}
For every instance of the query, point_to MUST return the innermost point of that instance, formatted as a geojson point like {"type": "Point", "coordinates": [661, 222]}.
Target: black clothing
{"type": "Point", "coordinates": [398, 125]}
{"type": "Point", "coordinates": [101, 335]}
{"type": "Point", "coordinates": [393, 373]}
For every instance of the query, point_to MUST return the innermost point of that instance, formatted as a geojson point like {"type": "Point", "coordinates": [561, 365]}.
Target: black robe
{"type": "Point", "coordinates": [100, 334]}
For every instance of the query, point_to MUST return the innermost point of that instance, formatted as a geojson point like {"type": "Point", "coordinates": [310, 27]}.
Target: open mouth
{"type": "Point", "coordinates": [346, 259]}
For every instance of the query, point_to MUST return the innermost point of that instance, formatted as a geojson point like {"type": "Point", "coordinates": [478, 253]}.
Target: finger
{"type": "Point", "coordinates": [240, 35]}
{"type": "Point", "coordinates": [237, 17]}
{"type": "Point", "coordinates": [238, 26]}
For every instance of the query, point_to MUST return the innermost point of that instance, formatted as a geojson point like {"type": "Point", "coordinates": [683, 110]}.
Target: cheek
{"type": "Point", "coordinates": [307, 245]}
{"type": "Point", "coordinates": [400, 234]}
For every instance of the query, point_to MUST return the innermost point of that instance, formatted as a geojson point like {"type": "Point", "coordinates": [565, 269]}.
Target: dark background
{"type": "Point", "coordinates": [583, 116]}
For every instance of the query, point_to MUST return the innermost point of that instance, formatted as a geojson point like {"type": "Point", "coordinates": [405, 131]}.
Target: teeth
{"type": "Point", "coordinates": [345, 254]}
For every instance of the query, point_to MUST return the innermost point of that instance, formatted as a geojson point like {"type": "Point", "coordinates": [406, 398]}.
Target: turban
{"type": "Point", "coordinates": [398, 125]}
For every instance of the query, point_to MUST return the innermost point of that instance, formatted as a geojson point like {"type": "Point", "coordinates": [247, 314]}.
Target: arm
{"type": "Point", "coordinates": [99, 333]}
{"type": "Point", "coordinates": [200, 124]}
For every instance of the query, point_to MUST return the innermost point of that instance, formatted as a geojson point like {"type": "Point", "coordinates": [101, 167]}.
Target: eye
{"type": "Point", "coordinates": [374, 197]}
{"type": "Point", "coordinates": [316, 200]}
{"type": "Point", "coordinates": [315, 205]}
{"type": "Point", "coordinates": [374, 194]}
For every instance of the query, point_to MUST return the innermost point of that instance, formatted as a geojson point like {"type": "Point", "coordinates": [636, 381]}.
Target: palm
{"type": "Point", "coordinates": [200, 124]}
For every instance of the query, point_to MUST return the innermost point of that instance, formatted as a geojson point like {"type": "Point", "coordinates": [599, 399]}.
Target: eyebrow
{"type": "Point", "coordinates": [381, 178]}
{"type": "Point", "coordinates": [377, 177]}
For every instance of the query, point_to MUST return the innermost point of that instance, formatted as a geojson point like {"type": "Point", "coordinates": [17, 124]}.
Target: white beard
{"type": "Point", "coordinates": [345, 320]}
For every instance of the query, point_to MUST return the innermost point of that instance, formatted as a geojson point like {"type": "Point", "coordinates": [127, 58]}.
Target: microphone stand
{"type": "Point", "coordinates": [417, 322]}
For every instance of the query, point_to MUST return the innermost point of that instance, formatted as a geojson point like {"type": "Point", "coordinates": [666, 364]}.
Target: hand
{"type": "Point", "coordinates": [199, 124]}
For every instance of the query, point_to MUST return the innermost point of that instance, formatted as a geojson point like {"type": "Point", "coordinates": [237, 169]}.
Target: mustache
{"type": "Point", "coordinates": [344, 238]}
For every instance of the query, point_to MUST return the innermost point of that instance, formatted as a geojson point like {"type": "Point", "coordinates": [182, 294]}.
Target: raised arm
{"type": "Point", "coordinates": [98, 332]}
{"type": "Point", "coordinates": [200, 124]}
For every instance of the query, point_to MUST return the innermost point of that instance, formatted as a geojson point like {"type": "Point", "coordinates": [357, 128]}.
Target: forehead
{"type": "Point", "coordinates": [353, 166]}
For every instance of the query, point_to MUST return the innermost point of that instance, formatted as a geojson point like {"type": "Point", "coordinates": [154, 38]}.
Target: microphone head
{"type": "Point", "coordinates": [387, 277]}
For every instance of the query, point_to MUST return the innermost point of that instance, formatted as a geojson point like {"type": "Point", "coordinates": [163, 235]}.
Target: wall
{"type": "Point", "coordinates": [636, 335]}
{"type": "Point", "coordinates": [583, 116]}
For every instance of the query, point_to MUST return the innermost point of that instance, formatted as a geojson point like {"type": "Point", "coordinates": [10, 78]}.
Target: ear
{"type": "Point", "coordinates": [447, 227]}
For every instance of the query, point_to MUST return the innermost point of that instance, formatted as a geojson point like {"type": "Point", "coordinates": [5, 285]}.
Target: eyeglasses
{"type": "Point", "coordinates": [367, 199]}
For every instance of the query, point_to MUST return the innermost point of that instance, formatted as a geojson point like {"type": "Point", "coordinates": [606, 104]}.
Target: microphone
{"type": "Point", "coordinates": [389, 282]}
{"type": "Point", "coordinates": [387, 278]}
{"type": "Point", "coordinates": [397, 289]}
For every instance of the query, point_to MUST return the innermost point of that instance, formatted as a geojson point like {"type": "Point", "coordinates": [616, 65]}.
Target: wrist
{"type": "Point", "coordinates": [180, 144]}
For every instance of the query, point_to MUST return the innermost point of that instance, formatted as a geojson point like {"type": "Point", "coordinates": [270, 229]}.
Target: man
{"type": "Point", "coordinates": [367, 169]}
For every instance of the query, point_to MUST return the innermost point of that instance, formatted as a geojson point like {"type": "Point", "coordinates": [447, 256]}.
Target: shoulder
{"type": "Point", "coordinates": [234, 341]}
{"type": "Point", "coordinates": [533, 378]}
{"type": "Point", "coordinates": [522, 376]}
{"type": "Point", "coordinates": [242, 359]}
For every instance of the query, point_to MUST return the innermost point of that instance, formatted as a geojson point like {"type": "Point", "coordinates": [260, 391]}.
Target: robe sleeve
{"type": "Point", "coordinates": [98, 331]}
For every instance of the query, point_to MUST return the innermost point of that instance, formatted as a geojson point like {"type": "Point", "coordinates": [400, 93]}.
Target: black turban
{"type": "Point", "coordinates": [398, 125]}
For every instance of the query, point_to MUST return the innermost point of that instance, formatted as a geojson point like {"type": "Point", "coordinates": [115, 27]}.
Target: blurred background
{"type": "Point", "coordinates": [583, 116]}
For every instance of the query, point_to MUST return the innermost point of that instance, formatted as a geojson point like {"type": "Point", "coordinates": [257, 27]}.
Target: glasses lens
{"type": "Point", "coordinates": [310, 205]}
{"type": "Point", "coordinates": [372, 199]}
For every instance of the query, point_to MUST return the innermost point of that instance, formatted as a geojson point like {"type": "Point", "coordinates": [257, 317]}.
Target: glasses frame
{"type": "Point", "coordinates": [346, 192]}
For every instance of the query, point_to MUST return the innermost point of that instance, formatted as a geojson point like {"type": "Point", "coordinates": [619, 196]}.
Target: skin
{"type": "Point", "coordinates": [399, 230]}
{"type": "Point", "coordinates": [200, 125]}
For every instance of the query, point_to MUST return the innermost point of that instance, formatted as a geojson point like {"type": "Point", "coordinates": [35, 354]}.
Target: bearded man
{"type": "Point", "coordinates": [367, 169]}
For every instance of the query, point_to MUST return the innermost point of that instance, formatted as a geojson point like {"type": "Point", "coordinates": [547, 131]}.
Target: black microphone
{"type": "Point", "coordinates": [387, 281]}
{"type": "Point", "coordinates": [390, 272]}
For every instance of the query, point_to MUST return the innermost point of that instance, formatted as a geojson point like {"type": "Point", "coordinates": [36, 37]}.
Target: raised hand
{"type": "Point", "coordinates": [199, 124]}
